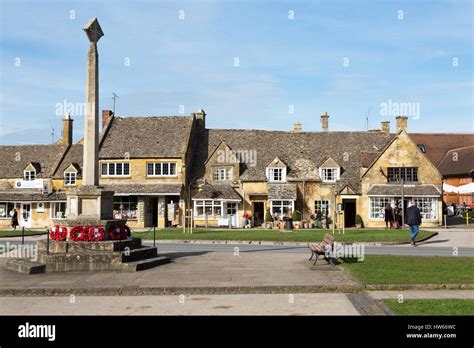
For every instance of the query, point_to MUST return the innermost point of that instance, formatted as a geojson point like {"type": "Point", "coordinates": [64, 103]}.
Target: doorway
{"type": "Point", "coordinates": [258, 213]}
{"type": "Point", "coordinates": [349, 207]}
{"type": "Point", "coordinates": [25, 215]}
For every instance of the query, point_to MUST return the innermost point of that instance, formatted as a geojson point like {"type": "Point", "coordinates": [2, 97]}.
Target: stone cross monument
{"type": "Point", "coordinates": [91, 127]}
{"type": "Point", "coordinates": [90, 203]}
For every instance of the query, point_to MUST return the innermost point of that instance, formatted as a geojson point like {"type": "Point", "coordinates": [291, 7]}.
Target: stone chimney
{"type": "Point", "coordinates": [325, 121]}
{"type": "Point", "coordinates": [66, 131]}
{"type": "Point", "coordinates": [385, 127]}
{"type": "Point", "coordinates": [402, 123]}
{"type": "Point", "coordinates": [106, 115]}
{"type": "Point", "coordinates": [200, 120]}
{"type": "Point", "coordinates": [297, 127]}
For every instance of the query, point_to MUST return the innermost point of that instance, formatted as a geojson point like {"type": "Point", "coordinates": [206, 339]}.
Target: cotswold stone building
{"type": "Point", "coordinates": [157, 166]}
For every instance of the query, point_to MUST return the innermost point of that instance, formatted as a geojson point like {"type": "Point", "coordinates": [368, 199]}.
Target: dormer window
{"type": "Point", "coordinates": [70, 178]}
{"type": "Point", "coordinates": [221, 174]}
{"type": "Point", "coordinates": [275, 174]}
{"type": "Point", "coordinates": [276, 171]}
{"type": "Point", "coordinates": [329, 174]}
{"type": "Point", "coordinates": [29, 175]}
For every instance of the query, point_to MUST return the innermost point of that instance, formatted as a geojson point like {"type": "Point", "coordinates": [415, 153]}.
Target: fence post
{"type": "Point", "coordinates": [445, 222]}
{"type": "Point", "coordinates": [23, 235]}
{"type": "Point", "coordinates": [154, 236]}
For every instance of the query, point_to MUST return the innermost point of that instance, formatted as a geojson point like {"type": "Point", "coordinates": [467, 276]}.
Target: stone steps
{"type": "Point", "coordinates": [139, 254]}
{"type": "Point", "coordinates": [25, 266]}
{"type": "Point", "coordinates": [145, 264]}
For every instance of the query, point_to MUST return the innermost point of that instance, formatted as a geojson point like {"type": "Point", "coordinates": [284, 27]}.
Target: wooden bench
{"type": "Point", "coordinates": [321, 248]}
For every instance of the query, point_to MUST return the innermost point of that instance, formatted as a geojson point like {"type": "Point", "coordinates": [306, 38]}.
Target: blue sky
{"type": "Point", "coordinates": [284, 64]}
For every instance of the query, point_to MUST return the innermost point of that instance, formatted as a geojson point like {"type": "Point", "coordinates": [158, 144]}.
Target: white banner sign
{"type": "Point", "coordinates": [37, 183]}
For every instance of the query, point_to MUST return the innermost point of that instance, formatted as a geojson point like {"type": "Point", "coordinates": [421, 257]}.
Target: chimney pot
{"type": "Point", "coordinates": [402, 123]}
{"type": "Point", "coordinates": [106, 115]}
{"type": "Point", "coordinates": [66, 131]}
{"type": "Point", "coordinates": [325, 121]}
{"type": "Point", "coordinates": [385, 127]}
{"type": "Point", "coordinates": [297, 127]}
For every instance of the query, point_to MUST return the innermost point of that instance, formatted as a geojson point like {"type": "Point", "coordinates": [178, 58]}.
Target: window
{"type": "Point", "coordinates": [407, 174]}
{"type": "Point", "coordinates": [115, 169]}
{"type": "Point", "coordinates": [422, 148]}
{"type": "Point", "coordinates": [428, 207]}
{"type": "Point", "coordinates": [125, 207]}
{"type": "Point", "coordinates": [377, 206]}
{"type": "Point", "coordinates": [161, 169]}
{"type": "Point", "coordinates": [276, 174]}
{"type": "Point", "coordinates": [329, 174]}
{"type": "Point", "coordinates": [208, 207]}
{"type": "Point", "coordinates": [231, 208]}
{"type": "Point", "coordinates": [222, 174]}
{"type": "Point", "coordinates": [5, 209]}
{"type": "Point", "coordinates": [58, 210]}
{"type": "Point", "coordinates": [70, 178]}
{"type": "Point", "coordinates": [281, 208]}
{"type": "Point", "coordinates": [29, 175]}
{"type": "Point", "coordinates": [321, 207]}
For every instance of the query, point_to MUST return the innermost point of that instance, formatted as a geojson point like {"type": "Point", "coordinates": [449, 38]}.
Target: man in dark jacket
{"type": "Point", "coordinates": [413, 219]}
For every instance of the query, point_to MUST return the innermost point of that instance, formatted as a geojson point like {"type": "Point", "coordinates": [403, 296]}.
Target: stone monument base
{"type": "Point", "coordinates": [64, 256]}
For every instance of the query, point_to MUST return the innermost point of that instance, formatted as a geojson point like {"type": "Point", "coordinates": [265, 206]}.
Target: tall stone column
{"type": "Point", "coordinates": [90, 173]}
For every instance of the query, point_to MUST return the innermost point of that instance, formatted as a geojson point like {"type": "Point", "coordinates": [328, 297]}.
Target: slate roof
{"type": "Point", "coordinates": [145, 189]}
{"type": "Point", "coordinates": [217, 192]}
{"type": "Point", "coordinates": [14, 159]}
{"type": "Point", "coordinates": [408, 190]}
{"type": "Point", "coordinates": [143, 137]}
{"type": "Point", "coordinates": [282, 191]}
{"type": "Point", "coordinates": [438, 144]}
{"type": "Point", "coordinates": [303, 152]}
{"type": "Point", "coordinates": [73, 156]}
{"type": "Point", "coordinates": [458, 162]}
{"type": "Point", "coordinates": [32, 196]}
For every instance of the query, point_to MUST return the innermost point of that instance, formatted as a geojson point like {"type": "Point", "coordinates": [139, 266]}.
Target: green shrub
{"type": "Point", "coordinates": [296, 216]}
{"type": "Point", "coordinates": [359, 220]}
{"type": "Point", "coordinates": [268, 216]}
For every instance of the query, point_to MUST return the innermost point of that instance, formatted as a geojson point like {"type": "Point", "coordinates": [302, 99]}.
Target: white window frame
{"type": "Point", "coordinates": [114, 165]}
{"type": "Point", "coordinates": [69, 181]}
{"type": "Point", "coordinates": [377, 206]}
{"type": "Point", "coordinates": [426, 204]}
{"type": "Point", "coordinates": [271, 171]}
{"type": "Point", "coordinates": [27, 175]}
{"type": "Point", "coordinates": [278, 203]}
{"type": "Point", "coordinates": [158, 168]}
{"type": "Point", "coordinates": [323, 205]}
{"type": "Point", "coordinates": [323, 174]}
{"type": "Point", "coordinates": [222, 174]}
{"type": "Point", "coordinates": [126, 202]}
{"type": "Point", "coordinates": [54, 211]}
{"type": "Point", "coordinates": [209, 205]}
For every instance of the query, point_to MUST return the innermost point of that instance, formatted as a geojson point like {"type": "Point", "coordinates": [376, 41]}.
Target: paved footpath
{"type": "Point", "coordinates": [249, 304]}
{"type": "Point", "coordinates": [420, 294]}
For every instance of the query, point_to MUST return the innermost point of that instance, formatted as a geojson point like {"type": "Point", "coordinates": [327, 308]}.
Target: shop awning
{"type": "Point", "coordinates": [282, 192]}
{"type": "Point", "coordinates": [408, 190]}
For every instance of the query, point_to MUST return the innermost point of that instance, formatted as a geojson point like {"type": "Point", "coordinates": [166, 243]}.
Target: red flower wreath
{"type": "Point", "coordinates": [116, 232]}
{"type": "Point", "coordinates": [58, 233]}
{"type": "Point", "coordinates": [78, 233]}
{"type": "Point", "coordinates": [96, 233]}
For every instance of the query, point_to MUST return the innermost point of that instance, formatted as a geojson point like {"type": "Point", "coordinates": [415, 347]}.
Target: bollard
{"type": "Point", "coordinates": [445, 222]}
{"type": "Point", "coordinates": [23, 235]}
{"type": "Point", "coordinates": [47, 242]}
{"type": "Point", "coordinates": [154, 236]}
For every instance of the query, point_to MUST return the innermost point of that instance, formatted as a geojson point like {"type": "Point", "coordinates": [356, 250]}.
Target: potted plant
{"type": "Point", "coordinates": [296, 217]}
{"type": "Point", "coordinates": [246, 220]}
{"type": "Point", "coordinates": [359, 221]}
{"type": "Point", "coordinates": [268, 219]}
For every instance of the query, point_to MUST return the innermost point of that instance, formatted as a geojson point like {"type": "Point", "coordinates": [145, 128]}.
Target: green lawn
{"type": "Point", "coordinates": [432, 307]}
{"type": "Point", "coordinates": [359, 235]}
{"type": "Point", "coordinates": [390, 269]}
{"type": "Point", "coordinates": [17, 233]}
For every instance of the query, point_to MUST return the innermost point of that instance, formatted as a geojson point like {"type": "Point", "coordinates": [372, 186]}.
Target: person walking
{"type": "Point", "coordinates": [14, 216]}
{"type": "Point", "coordinates": [388, 216]}
{"type": "Point", "coordinates": [413, 219]}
